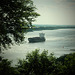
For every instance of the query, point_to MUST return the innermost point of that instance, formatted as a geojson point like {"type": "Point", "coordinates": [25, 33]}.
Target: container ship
{"type": "Point", "coordinates": [41, 38]}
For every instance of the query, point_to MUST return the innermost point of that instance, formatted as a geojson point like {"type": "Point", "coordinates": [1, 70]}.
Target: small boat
{"type": "Point", "coordinates": [41, 38]}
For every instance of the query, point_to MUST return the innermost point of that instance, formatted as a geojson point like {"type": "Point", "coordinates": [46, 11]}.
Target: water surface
{"type": "Point", "coordinates": [59, 42]}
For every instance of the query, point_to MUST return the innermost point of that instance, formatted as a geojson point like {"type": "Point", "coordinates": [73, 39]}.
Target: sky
{"type": "Point", "coordinates": [55, 12]}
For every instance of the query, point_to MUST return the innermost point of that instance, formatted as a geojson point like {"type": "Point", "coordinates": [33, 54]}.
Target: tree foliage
{"type": "Point", "coordinates": [6, 69]}
{"type": "Point", "coordinates": [37, 63]}
{"type": "Point", "coordinates": [43, 64]}
{"type": "Point", "coordinates": [14, 16]}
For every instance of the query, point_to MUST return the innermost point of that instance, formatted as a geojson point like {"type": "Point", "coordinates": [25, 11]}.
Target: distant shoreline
{"type": "Point", "coordinates": [49, 27]}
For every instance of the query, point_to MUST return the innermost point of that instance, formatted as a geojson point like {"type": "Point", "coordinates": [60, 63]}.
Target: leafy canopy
{"type": "Point", "coordinates": [14, 16]}
{"type": "Point", "coordinates": [36, 63]}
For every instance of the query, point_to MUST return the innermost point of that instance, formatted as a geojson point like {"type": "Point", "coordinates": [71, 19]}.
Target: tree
{"type": "Point", "coordinates": [14, 16]}
{"type": "Point", "coordinates": [37, 64]}
{"type": "Point", "coordinates": [66, 65]}
{"type": "Point", "coordinates": [7, 69]}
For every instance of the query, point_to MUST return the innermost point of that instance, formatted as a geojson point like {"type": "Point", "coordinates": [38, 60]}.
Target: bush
{"type": "Point", "coordinates": [43, 64]}
{"type": "Point", "coordinates": [40, 64]}
{"type": "Point", "coordinates": [6, 69]}
{"type": "Point", "coordinates": [36, 64]}
{"type": "Point", "coordinates": [68, 64]}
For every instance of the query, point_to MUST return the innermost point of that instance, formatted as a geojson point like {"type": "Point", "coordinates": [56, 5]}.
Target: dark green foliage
{"type": "Point", "coordinates": [44, 64]}
{"type": "Point", "coordinates": [14, 16]}
{"type": "Point", "coordinates": [6, 69]}
{"type": "Point", "coordinates": [36, 64]}
{"type": "Point", "coordinates": [40, 64]}
{"type": "Point", "coordinates": [66, 64]}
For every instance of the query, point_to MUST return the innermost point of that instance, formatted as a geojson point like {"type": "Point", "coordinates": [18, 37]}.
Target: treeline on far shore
{"type": "Point", "coordinates": [41, 27]}
{"type": "Point", "coordinates": [37, 63]}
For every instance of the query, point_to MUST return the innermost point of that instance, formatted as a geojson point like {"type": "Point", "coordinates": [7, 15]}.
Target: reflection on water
{"type": "Point", "coordinates": [59, 42]}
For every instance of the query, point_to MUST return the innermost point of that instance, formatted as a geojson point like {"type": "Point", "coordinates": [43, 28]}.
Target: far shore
{"type": "Point", "coordinates": [49, 27]}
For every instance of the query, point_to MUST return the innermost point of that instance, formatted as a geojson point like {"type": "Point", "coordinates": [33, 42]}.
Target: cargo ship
{"type": "Point", "coordinates": [41, 38]}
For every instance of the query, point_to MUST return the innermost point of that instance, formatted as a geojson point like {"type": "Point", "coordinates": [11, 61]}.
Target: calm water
{"type": "Point", "coordinates": [58, 42]}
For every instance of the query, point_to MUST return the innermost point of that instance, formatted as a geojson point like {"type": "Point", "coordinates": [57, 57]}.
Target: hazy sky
{"type": "Point", "coordinates": [57, 12]}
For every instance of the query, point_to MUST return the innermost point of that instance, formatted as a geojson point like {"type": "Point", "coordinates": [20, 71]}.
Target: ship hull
{"type": "Point", "coordinates": [36, 39]}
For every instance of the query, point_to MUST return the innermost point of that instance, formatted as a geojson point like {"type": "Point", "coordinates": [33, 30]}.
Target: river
{"type": "Point", "coordinates": [59, 42]}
